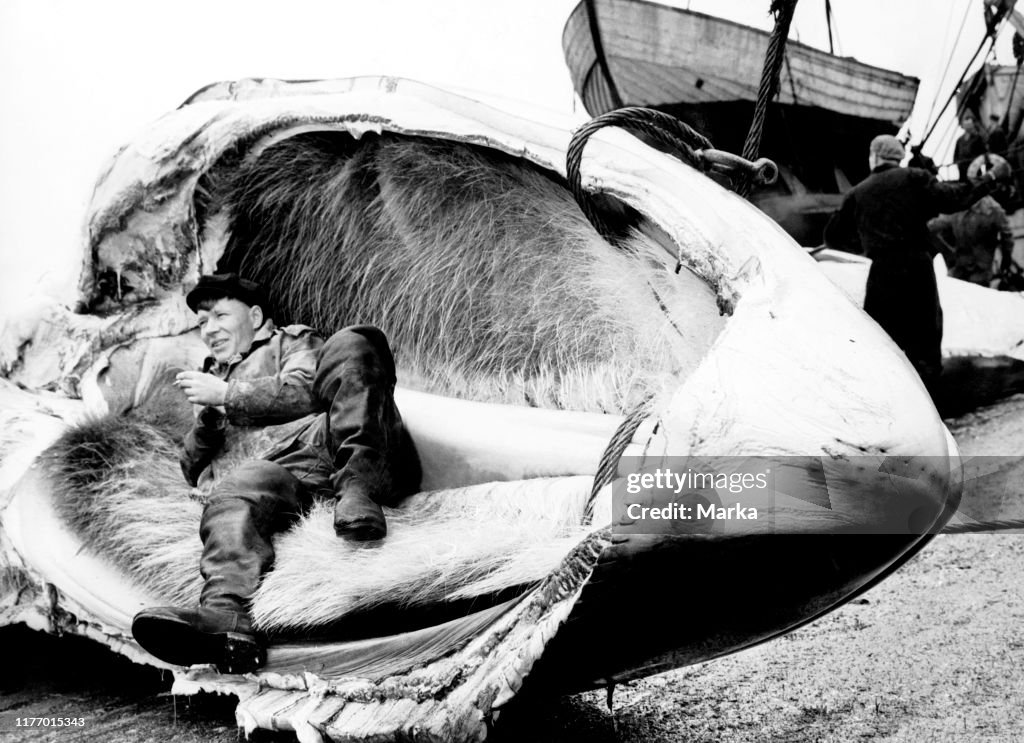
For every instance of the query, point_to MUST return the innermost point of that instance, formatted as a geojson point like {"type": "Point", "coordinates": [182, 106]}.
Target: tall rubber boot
{"type": "Point", "coordinates": [257, 500]}
{"type": "Point", "coordinates": [374, 460]}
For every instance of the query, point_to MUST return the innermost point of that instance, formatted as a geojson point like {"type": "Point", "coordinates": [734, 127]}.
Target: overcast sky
{"type": "Point", "coordinates": [78, 78]}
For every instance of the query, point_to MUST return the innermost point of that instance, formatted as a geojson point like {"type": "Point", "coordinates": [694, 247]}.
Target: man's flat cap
{"type": "Point", "coordinates": [886, 147]}
{"type": "Point", "coordinates": [230, 285]}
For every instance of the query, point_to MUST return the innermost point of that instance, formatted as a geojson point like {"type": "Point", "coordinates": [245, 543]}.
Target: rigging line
{"type": "Point", "coordinates": [792, 83]}
{"type": "Point", "coordinates": [949, 57]}
{"type": "Point", "coordinates": [991, 39]}
{"type": "Point", "coordinates": [774, 56]}
{"type": "Point", "coordinates": [951, 129]}
{"type": "Point", "coordinates": [993, 28]}
{"type": "Point", "coordinates": [946, 144]}
{"type": "Point", "coordinates": [948, 134]}
{"type": "Point", "coordinates": [946, 53]}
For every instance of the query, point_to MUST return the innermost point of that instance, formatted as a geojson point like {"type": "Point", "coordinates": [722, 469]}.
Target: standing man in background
{"type": "Point", "coordinates": [885, 217]}
{"type": "Point", "coordinates": [970, 240]}
{"type": "Point", "coordinates": [970, 144]}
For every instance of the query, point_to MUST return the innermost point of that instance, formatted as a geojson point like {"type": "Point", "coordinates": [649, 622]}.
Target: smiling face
{"type": "Point", "coordinates": [228, 326]}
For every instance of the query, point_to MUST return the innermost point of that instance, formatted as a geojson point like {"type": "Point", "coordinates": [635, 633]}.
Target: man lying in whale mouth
{"type": "Point", "coordinates": [281, 418]}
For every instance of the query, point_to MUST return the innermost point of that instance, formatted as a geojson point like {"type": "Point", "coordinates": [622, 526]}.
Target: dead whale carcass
{"type": "Point", "coordinates": [524, 341]}
{"type": "Point", "coordinates": [982, 334]}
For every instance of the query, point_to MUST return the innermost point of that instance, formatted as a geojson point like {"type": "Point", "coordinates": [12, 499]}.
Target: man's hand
{"type": "Point", "coordinates": [1001, 170]}
{"type": "Point", "coordinates": [201, 388]}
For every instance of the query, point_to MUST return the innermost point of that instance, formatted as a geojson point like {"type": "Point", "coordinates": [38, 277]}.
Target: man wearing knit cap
{"type": "Point", "coordinates": [885, 217]}
{"type": "Point", "coordinates": [886, 148]}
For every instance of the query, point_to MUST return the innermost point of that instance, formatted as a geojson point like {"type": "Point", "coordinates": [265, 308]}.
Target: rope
{"type": "Point", "coordinates": [948, 57]}
{"type": "Point", "coordinates": [984, 526]}
{"type": "Point", "coordinates": [990, 37]}
{"type": "Point", "coordinates": [792, 82]}
{"type": "Point", "coordinates": [663, 128]}
{"type": "Point", "coordinates": [608, 468]}
{"type": "Point", "coordinates": [783, 10]}
{"type": "Point", "coordinates": [693, 148]}
{"type": "Point", "coordinates": [682, 140]}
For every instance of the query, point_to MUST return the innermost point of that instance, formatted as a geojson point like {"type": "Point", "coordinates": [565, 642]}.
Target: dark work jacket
{"type": "Point", "coordinates": [967, 148]}
{"type": "Point", "coordinates": [885, 217]}
{"type": "Point", "coordinates": [269, 405]}
{"type": "Point", "coordinates": [971, 238]}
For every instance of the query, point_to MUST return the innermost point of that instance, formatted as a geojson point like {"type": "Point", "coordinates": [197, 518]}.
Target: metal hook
{"type": "Point", "coordinates": [762, 171]}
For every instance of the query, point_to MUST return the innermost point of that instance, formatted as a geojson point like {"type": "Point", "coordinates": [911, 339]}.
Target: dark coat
{"type": "Point", "coordinates": [967, 148]}
{"type": "Point", "coordinates": [269, 405]}
{"type": "Point", "coordinates": [970, 240]}
{"type": "Point", "coordinates": [885, 217]}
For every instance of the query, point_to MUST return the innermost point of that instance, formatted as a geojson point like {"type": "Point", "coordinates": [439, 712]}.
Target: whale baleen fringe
{"type": "Point", "coordinates": [487, 278]}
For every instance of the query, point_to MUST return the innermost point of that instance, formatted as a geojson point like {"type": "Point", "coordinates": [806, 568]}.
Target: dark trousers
{"type": "Point", "coordinates": [360, 436]}
{"type": "Point", "coordinates": [902, 296]}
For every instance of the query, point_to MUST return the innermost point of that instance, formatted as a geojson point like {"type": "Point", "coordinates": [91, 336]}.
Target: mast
{"type": "Point", "coordinates": [996, 12]}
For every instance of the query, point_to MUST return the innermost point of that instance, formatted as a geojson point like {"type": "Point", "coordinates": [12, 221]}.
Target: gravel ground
{"type": "Point", "coordinates": [934, 653]}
